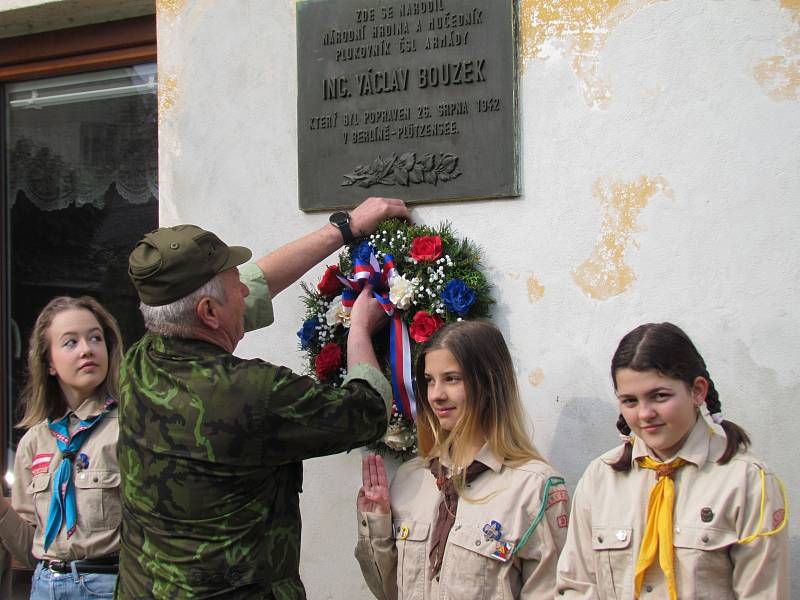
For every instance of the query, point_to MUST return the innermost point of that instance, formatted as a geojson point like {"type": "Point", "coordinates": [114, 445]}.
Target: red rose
{"type": "Point", "coordinates": [328, 360]}
{"type": "Point", "coordinates": [426, 248]}
{"type": "Point", "coordinates": [423, 326]}
{"type": "Point", "coordinates": [330, 285]}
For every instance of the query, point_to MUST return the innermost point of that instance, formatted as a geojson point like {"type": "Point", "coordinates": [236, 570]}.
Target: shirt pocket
{"type": "Point", "coordinates": [39, 490]}
{"type": "Point", "coordinates": [613, 558]}
{"type": "Point", "coordinates": [704, 553]}
{"type": "Point", "coordinates": [473, 565]}
{"type": "Point", "coordinates": [97, 499]}
{"type": "Point", "coordinates": [411, 539]}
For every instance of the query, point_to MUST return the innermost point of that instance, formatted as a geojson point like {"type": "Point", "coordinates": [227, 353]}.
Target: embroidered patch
{"type": "Point", "coordinates": [82, 462]}
{"type": "Point", "coordinates": [41, 463]}
{"type": "Point", "coordinates": [557, 496]}
{"type": "Point", "coordinates": [562, 521]}
{"type": "Point", "coordinates": [502, 551]}
{"type": "Point", "coordinates": [777, 518]}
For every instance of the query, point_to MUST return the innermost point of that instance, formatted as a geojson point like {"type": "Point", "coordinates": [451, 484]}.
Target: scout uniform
{"type": "Point", "coordinates": [487, 554]}
{"type": "Point", "coordinates": [210, 452]}
{"type": "Point", "coordinates": [725, 545]}
{"type": "Point", "coordinates": [96, 482]}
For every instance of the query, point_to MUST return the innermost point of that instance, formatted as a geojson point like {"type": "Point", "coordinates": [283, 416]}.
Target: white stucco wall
{"type": "Point", "coordinates": [659, 145]}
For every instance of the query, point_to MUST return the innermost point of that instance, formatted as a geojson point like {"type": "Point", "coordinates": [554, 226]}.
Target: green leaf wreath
{"type": "Point", "coordinates": [437, 280]}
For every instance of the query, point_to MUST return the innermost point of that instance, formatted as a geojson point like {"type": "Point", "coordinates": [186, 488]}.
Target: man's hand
{"type": "Point", "coordinates": [373, 497]}
{"type": "Point", "coordinates": [366, 216]}
{"type": "Point", "coordinates": [367, 312]}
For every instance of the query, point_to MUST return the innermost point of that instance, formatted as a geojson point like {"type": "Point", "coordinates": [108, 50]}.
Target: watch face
{"type": "Point", "coordinates": [340, 218]}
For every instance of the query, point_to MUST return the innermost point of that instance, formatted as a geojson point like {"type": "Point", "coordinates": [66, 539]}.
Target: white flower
{"type": "Point", "coordinates": [401, 292]}
{"type": "Point", "coordinates": [336, 314]}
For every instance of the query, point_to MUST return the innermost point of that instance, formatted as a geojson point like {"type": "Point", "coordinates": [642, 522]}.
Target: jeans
{"type": "Point", "coordinates": [48, 585]}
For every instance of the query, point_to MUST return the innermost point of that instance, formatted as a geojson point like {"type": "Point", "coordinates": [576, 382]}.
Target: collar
{"type": "Point", "coordinates": [485, 456]}
{"type": "Point", "coordinates": [695, 449]}
{"type": "Point", "coordinates": [91, 407]}
{"type": "Point", "coordinates": [179, 348]}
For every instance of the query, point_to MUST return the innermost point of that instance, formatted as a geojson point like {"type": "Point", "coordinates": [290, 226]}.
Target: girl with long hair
{"type": "Point", "coordinates": [479, 513]}
{"type": "Point", "coordinates": [64, 515]}
{"type": "Point", "coordinates": [682, 509]}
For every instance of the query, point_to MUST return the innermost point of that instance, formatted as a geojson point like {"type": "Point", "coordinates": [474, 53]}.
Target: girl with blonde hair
{"type": "Point", "coordinates": [65, 513]}
{"type": "Point", "coordinates": [479, 513]}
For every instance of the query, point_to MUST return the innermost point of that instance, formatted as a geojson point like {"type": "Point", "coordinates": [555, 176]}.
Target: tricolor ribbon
{"type": "Point", "coordinates": [369, 270]}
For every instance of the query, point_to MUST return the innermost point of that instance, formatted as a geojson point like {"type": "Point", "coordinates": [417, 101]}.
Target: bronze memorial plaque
{"type": "Point", "coordinates": [416, 100]}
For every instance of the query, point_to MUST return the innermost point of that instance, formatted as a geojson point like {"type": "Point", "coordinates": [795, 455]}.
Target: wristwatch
{"type": "Point", "coordinates": [341, 220]}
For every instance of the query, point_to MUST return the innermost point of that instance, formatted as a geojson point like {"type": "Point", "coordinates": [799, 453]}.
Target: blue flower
{"type": "Point", "coordinates": [307, 332]}
{"type": "Point", "coordinates": [458, 297]}
{"type": "Point", "coordinates": [362, 253]}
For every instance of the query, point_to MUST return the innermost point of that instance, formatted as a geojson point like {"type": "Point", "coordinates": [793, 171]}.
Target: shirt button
{"type": "Point", "coordinates": [705, 539]}
{"type": "Point", "coordinates": [600, 538]}
{"type": "Point", "coordinates": [364, 523]}
{"type": "Point", "coordinates": [477, 542]}
{"type": "Point", "coordinates": [437, 578]}
{"type": "Point", "coordinates": [457, 526]}
{"type": "Point", "coordinates": [648, 588]}
{"type": "Point", "coordinates": [677, 530]}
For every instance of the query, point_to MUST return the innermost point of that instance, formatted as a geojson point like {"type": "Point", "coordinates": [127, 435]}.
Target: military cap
{"type": "Point", "coordinates": [172, 262]}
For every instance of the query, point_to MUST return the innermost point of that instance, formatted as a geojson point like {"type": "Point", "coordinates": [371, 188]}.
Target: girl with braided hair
{"type": "Point", "coordinates": [478, 514]}
{"type": "Point", "coordinates": [681, 510]}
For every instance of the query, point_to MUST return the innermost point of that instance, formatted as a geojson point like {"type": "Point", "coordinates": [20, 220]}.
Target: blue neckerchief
{"type": "Point", "coordinates": [62, 501]}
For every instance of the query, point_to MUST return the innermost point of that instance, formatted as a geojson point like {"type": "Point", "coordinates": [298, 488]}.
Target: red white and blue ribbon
{"type": "Point", "coordinates": [380, 277]}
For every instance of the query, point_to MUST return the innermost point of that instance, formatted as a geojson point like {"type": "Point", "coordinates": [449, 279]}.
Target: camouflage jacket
{"type": "Point", "coordinates": [210, 452]}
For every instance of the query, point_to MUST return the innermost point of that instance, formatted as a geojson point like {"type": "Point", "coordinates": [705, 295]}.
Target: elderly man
{"type": "Point", "coordinates": [211, 445]}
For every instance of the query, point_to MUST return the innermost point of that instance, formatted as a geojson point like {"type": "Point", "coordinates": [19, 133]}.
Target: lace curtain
{"type": "Point", "coordinates": [77, 166]}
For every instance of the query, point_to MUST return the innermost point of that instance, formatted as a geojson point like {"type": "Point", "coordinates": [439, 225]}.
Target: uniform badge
{"type": "Point", "coordinates": [622, 535]}
{"type": "Point", "coordinates": [706, 515]}
{"type": "Point", "coordinates": [502, 551]}
{"type": "Point", "coordinates": [41, 463]}
{"type": "Point", "coordinates": [562, 521]}
{"type": "Point", "coordinates": [492, 531]}
{"type": "Point", "coordinates": [82, 462]}
{"type": "Point", "coordinates": [402, 533]}
{"type": "Point", "coordinates": [777, 518]}
{"type": "Point", "coordinates": [557, 496]}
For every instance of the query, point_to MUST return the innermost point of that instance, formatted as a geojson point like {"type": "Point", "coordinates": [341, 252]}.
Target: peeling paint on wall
{"type": "Point", "coordinates": [605, 274]}
{"type": "Point", "coordinates": [536, 377]}
{"type": "Point", "coordinates": [170, 8]}
{"type": "Point", "coordinates": [535, 290]}
{"type": "Point", "coordinates": [779, 76]}
{"type": "Point", "coordinates": [578, 28]}
{"type": "Point", "coordinates": [167, 96]}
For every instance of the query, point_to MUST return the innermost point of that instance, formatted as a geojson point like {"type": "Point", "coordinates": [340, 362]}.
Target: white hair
{"type": "Point", "coordinates": [178, 319]}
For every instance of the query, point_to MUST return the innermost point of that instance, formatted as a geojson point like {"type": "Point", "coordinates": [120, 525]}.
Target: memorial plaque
{"type": "Point", "coordinates": [415, 100]}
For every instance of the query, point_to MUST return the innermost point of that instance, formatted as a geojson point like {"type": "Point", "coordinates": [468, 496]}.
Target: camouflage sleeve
{"type": "Point", "coordinates": [305, 418]}
{"type": "Point", "coordinates": [258, 304]}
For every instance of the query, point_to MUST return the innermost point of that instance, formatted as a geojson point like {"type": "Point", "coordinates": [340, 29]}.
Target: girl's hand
{"type": "Point", "coordinates": [373, 497]}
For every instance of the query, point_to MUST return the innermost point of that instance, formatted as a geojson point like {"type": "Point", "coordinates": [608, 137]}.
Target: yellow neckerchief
{"type": "Point", "coordinates": [658, 535]}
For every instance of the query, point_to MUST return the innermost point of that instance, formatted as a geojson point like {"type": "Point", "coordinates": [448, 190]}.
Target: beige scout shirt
{"type": "Point", "coordinates": [715, 505]}
{"type": "Point", "coordinates": [393, 549]}
{"type": "Point", "coordinates": [96, 493]}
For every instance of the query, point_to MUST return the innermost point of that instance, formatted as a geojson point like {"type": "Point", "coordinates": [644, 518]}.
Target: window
{"type": "Point", "coordinates": [80, 187]}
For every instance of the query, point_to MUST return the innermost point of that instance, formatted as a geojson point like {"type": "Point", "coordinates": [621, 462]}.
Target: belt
{"type": "Point", "coordinates": [106, 564]}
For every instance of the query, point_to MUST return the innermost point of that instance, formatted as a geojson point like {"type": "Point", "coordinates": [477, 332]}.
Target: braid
{"type": "Point", "coordinates": [712, 397]}
{"type": "Point", "coordinates": [622, 426]}
{"type": "Point", "coordinates": [737, 438]}
{"type": "Point", "coordinates": [623, 463]}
